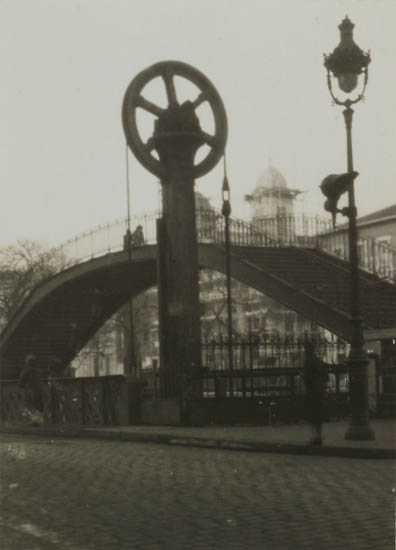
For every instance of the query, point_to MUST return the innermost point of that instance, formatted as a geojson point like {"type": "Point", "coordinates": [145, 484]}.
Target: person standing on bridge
{"type": "Point", "coordinates": [31, 381]}
{"type": "Point", "coordinates": [315, 379]}
{"type": "Point", "coordinates": [138, 237]}
{"type": "Point", "coordinates": [134, 239]}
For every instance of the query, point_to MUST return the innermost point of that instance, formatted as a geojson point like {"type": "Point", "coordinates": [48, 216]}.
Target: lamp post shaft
{"type": "Point", "coordinates": [352, 233]}
{"type": "Point", "coordinates": [359, 428]}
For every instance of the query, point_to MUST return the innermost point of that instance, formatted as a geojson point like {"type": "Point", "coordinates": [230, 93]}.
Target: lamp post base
{"type": "Point", "coordinates": [359, 428]}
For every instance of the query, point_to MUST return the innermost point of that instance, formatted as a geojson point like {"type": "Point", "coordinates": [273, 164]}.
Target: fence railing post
{"type": "Point", "coordinates": [250, 351]}
{"type": "Point", "coordinates": [337, 383]}
{"type": "Point", "coordinates": [52, 402]}
{"type": "Point", "coordinates": [243, 383]}
{"type": "Point", "coordinates": [104, 403]}
{"type": "Point", "coordinates": [83, 401]}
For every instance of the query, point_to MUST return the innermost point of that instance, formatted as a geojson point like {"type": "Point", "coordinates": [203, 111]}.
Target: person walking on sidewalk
{"type": "Point", "coordinates": [31, 381]}
{"type": "Point", "coordinates": [315, 379]}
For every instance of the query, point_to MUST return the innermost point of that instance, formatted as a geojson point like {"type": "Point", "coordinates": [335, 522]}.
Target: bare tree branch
{"type": "Point", "coordinates": [22, 266]}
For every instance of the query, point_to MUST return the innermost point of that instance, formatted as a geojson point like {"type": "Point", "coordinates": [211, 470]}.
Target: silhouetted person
{"type": "Point", "coordinates": [30, 380]}
{"type": "Point", "coordinates": [127, 240]}
{"type": "Point", "coordinates": [138, 237]}
{"type": "Point", "coordinates": [134, 239]}
{"type": "Point", "coordinates": [55, 367]}
{"type": "Point", "coordinates": [315, 379]}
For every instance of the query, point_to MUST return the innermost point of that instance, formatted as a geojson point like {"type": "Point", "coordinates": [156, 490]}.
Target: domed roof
{"type": "Point", "coordinates": [201, 202]}
{"type": "Point", "coordinates": [271, 182]}
{"type": "Point", "coordinates": [271, 177]}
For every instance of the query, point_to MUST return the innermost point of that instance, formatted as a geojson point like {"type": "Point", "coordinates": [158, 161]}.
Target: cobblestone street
{"type": "Point", "coordinates": [80, 495]}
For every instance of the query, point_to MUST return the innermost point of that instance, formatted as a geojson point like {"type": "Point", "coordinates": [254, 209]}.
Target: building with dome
{"type": "Point", "coordinates": [272, 205]}
{"type": "Point", "coordinates": [271, 197]}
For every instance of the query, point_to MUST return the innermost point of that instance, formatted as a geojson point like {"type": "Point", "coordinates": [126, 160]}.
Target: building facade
{"type": "Point", "coordinates": [376, 241]}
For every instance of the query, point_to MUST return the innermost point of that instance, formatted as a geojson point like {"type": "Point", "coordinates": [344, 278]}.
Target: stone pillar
{"type": "Point", "coordinates": [176, 139]}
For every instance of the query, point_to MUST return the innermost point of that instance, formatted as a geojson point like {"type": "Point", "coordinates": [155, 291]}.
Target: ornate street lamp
{"type": "Point", "coordinates": [346, 63]}
{"type": "Point", "coordinates": [226, 211]}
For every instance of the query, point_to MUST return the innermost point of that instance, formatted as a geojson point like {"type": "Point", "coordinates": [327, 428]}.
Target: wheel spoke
{"type": "Point", "coordinates": [203, 96]}
{"type": "Point", "coordinates": [210, 140]}
{"type": "Point", "coordinates": [148, 106]}
{"type": "Point", "coordinates": [150, 145]}
{"type": "Point", "coordinates": [170, 88]}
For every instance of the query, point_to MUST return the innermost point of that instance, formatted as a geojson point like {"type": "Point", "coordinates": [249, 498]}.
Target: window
{"type": "Point", "coordinates": [281, 211]}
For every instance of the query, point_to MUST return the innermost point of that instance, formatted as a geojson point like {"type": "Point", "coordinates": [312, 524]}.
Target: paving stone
{"type": "Point", "coordinates": [100, 495]}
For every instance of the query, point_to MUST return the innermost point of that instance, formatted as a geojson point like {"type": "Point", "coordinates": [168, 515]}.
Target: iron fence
{"type": "Point", "coordinates": [268, 371]}
{"type": "Point", "coordinates": [266, 396]}
{"type": "Point", "coordinates": [89, 400]}
{"type": "Point", "coordinates": [268, 382]}
{"type": "Point", "coordinates": [268, 350]}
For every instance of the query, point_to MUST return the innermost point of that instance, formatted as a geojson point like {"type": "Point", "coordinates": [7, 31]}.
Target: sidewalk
{"type": "Point", "coordinates": [291, 439]}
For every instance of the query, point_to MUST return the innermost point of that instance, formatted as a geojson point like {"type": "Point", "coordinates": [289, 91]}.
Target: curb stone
{"type": "Point", "coordinates": [209, 443]}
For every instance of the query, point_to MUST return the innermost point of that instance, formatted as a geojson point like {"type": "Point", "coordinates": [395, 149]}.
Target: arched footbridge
{"type": "Point", "coordinates": [63, 312]}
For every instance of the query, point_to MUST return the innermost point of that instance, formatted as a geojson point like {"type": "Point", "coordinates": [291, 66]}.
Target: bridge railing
{"type": "Point", "coordinates": [110, 237]}
{"type": "Point", "coordinates": [301, 231]}
{"type": "Point", "coordinates": [374, 256]}
{"type": "Point", "coordinates": [104, 239]}
{"type": "Point", "coordinates": [305, 231]}
{"type": "Point", "coordinates": [210, 229]}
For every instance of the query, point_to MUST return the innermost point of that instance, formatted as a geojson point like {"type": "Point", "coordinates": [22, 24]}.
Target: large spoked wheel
{"type": "Point", "coordinates": [134, 99]}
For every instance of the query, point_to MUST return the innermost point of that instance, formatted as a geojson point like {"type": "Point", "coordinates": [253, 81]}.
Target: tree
{"type": "Point", "coordinates": [98, 349]}
{"type": "Point", "coordinates": [22, 266]}
{"type": "Point", "coordinates": [116, 341]}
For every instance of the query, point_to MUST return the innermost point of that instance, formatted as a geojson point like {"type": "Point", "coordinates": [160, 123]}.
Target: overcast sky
{"type": "Point", "coordinates": [67, 63]}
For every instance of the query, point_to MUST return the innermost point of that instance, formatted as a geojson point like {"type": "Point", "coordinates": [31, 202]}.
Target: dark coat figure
{"type": "Point", "coordinates": [134, 239]}
{"type": "Point", "coordinates": [31, 380]}
{"type": "Point", "coordinates": [315, 379]}
{"type": "Point", "coordinates": [55, 367]}
{"type": "Point", "coordinates": [138, 237]}
{"type": "Point", "coordinates": [127, 240]}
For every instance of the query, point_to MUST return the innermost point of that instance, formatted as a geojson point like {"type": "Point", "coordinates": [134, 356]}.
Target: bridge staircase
{"type": "Point", "coordinates": [326, 278]}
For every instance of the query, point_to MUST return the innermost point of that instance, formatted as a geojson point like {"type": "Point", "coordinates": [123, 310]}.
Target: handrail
{"type": "Point", "coordinates": [279, 231]}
